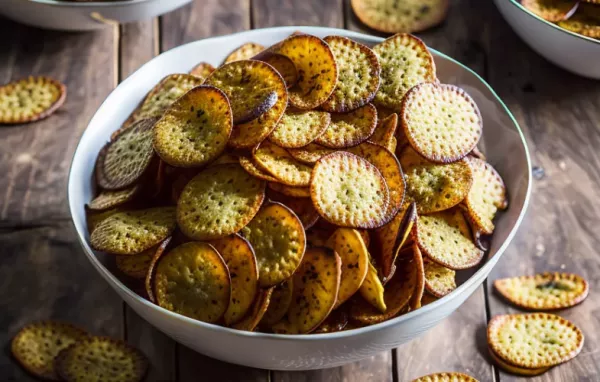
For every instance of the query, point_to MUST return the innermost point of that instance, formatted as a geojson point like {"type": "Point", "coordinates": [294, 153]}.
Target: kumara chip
{"type": "Point", "coordinates": [534, 340]}
{"type": "Point", "coordinates": [137, 266]}
{"type": "Point", "coordinates": [385, 131]}
{"type": "Point", "coordinates": [544, 291]}
{"type": "Point", "coordinates": [151, 271]}
{"type": "Point", "coordinates": [419, 269]}
{"type": "Point", "coordinates": [279, 242]}
{"type": "Point", "coordinates": [195, 129]}
{"type": "Point", "coordinates": [349, 245]}
{"type": "Point", "coordinates": [349, 191]}
{"type": "Point", "coordinates": [131, 233]}
{"type": "Point", "coordinates": [299, 128]}
{"type": "Point", "coordinates": [279, 163]}
{"type": "Point", "coordinates": [551, 10]}
{"type": "Point", "coordinates": [202, 70]}
{"type": "Point", "coordinates": [394, 16]}
{"type": "Point", "coordinates": [239, 256]}
{"type": "Point", "coordinates": [36, 346]}
{"type": "Point", "coordinates": [317, 70]}
{"type": "Point", "coordinates": [372, 290]}
{"type": "Point", "coordinates": [252, 87]}
{"type": "Point", "coordinates": [218, 202]}
{"type": "Point", "coordinates": [349, 129]}
{"type": "Point", "coordinates": [251, 168]}
{"type": "Point", "coordinates": [244, 52]}
{"type": "Point", "coordinates": [405, 62]}
{"type": "Point", "coordinates": [358, 75]}
{"type": "Point", "coordinates": [506, 366]}
{"type": "Point", "coordinates": [281, 298]}
{"type": "Point", "coordinates": [193, 280]}
{"type": "Point", "coordinates": [101, 359]}
{"type": "Point", "coordinates": [486, 196]}
{"type": "Point", "coordinates": [317, 237]}
{"type": "Point", "coordinates": [259, 308]}
{"type": "Point", "coordinates": [316, 285]}
{"type": "Point", "coordinates": [30, 99]}
{"type": "Point", "coordinates": [111, 199]}
{"type": "Point", "coordinates": [445, 238]}
{"type": "Point", "coordinates": [441, 122]}
{"type": "Point", "coordinates": [127, 158]}
{"type": "Point", "coordinates": [302, 207]}
{"type": "Point", "coordinates": [586, 21]}
{"type": "Point", "coordinates": [432, 186]}
{"type": "Point", "coordinates": [335, 322]}
{"type": "Point", "coordinates": [446, 377]}
{"type": "Point", "coordinates": [283, 64]}
{"type": "Point", "coordinates": [295, 192]}
{"type": "Point", "coordinates": [93, 218]}
{"type": "Point", "coordinates": [310, 153]}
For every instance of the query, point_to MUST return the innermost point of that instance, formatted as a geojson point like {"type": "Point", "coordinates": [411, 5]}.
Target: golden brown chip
{"type": "Point", "coordinates": [317, 237]}
{"type": "Point", "coordinates": [295, 192]}
{"type": "Point", "coordinates": [251, 168]}
{"type": "Point", "coordinates": [385, 131]}
{"type": "Point", "coordinates": [244, 52]}
{"type": "Point", "coordinates": [372, 290]}
{"type": "Point", "coordinates": [195, 129]}
{"type": "Point", "coordinates": [279, 163]}
{"type": "Point", "coordinates": [151, 271]}
{"type": "Point", "coordinates": [349, 245]}
{"type": "Point", "coordinates": [534, 340]}
{"type": "Point", "coordinates": [93, 218]}
{"type": "Point", "coordinates": [358, 75]}
{"type": "Point", "coordinates": [428, 298]}
{"type": "Point", "coordinates": [442, 122]}
{"type": "Point", "coordinates": [446, 377]}
{"type": "Point", "coordinates": [544, 291]}
{"type": "Point", "coordinates": [283, 64]}
{"type": "Point", "coordinates": [36, 346]}
{"type": "Point", "coordinates": [317, 70]}
{"type": "Point", "coordinates": [130, 233]}
{"type": "Point", "coordinates": [349, 129]}
{"type": "Point", "coordinates": [101, 359]}
{"type": "Point", "coordinates": [405, 62]}
{"type": "Point", "coordinates": [435, 187]}
{"type": "Point", "coordinates": [137, 266]}
{"type": "Point", "coordinates": [218, 202]}
{"type": "Point", "coordinates": [486, 196]}
{"type": "Point", "coordinates": [445, 238]}
{"type": "Point", "coordinates": [299, 128]}
{"type": "Point", "coordinates": [439, 280]}
{"type": "Point", "coordinates": [419, 269]}
{"type": "Point", "coordinates": [349, 191]}
{"type": "Point", "coordinates": [516, 369]}
{"type": "Point", "coordinates": [259, 308]}
{"type": "Point", "coordinates": [281, 298]}
{"type": "Point", "coordinates": [202, 70]}
{"type": "Point", "coordinates": [393, 16]}
{"type": "Point", "coordinates": [192, 279]}
{"type": "Point", "coordinates": [279, 242]}
{"type": "Point", "coordinates": [586, 21]}
{"type": "Point", "coordinates": [239, 256]}
{"type": "Point", "coordinates": [30, 99]}
{"type": "Point", "coordinates": [111, 199]}
{"type": "Point", "coordinates": [316, 285]}
{"type": "Point", "coordinates": [310, 153]}
{"type": "Point", "coordinates": [302, 207]}
{"type": "Point", "coordinates": [335, 322]}
{"type": "Point", "coordinates": [551, 10]}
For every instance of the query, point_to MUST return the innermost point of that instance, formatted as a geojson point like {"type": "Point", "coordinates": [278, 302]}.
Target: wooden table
{"type": "Point", "coordinates": [43, 273]}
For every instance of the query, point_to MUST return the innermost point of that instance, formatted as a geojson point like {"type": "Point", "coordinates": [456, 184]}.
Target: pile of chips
{"type": "Point", "coordinates": [316, 185]}
{"type": "Point", "coordinates": [578, 16]}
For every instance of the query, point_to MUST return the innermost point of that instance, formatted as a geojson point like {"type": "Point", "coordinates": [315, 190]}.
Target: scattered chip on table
{"type": "Point", "coordinates": [446, 377]}
{"type": "Point", "coordinates": [349, 129]}
{"type": "Point", "coordinates": [507, 366]}
{"type": "Point", "coordinates": [30, 99]}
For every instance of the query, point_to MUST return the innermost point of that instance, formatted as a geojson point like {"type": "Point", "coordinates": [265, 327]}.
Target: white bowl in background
{"type": "Point", "coordinates": [502, 141]}
{"type": "Point", "coordinates": [571, 51]}
{"type": "Point", "coordinates": [80, 16]}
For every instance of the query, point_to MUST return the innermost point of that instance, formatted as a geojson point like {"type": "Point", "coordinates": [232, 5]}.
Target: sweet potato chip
{"type": "Point", "coordinates": [202, 70]}
{"type": "Point", "coordinates": [281, 298]}
{"type": "Point", "coordinates": [349, 129]}
{"type": "Point", "coordinates": [419, 269]}
{"type": "Point", "coordinates": [486, 196]}
{"type": "Point", "coordinates": [335, 322]}
{"type": "Point", "coordinates": [151, 271]}
{"type": "Point", "coordinates": [279, 163]}
{"type": "Point", "coordinates": [244, 52]}
{"type": "Point", "coordinates": [551, 10]}
{"type": "Point", "coordinates": [283, 64]}
{"type": "Point", "coordinates": [137, 266]}
{"type": "Point", "coordinates": [299, 128]}
{"type": "Point", "coordinates": [259, 308]}
{"type": "Point", "coordinates": [111, 199]}
{"type": "Point", "coordinates": [30, 99]}
{"type": "Point", "coordinates": [372, 290]}
{"type": "Point", "coordinates": [302, 207]}
{"type": "Point", "coordinates": [439, 280]}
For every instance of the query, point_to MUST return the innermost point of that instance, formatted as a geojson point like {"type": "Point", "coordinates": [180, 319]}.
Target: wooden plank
{"type": "Point", "coordinates": [559, 114]}
{"type": "Point", "coordinates": [138, 44]}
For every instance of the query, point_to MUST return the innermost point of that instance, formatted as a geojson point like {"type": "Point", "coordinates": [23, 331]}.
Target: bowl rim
{"type": "Point", "coordinates": [88, 4]}
{"type": "Point", "coordinates": [463, 288]}
{"type": "Point", "coordinates": [520, 6]}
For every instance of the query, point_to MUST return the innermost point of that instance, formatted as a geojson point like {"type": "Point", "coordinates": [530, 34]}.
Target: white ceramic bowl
{"type": "Point", "coordinates": [502, 141]}
{"type": "Point", "coordinates": [68, 15]}
{"type": "Point", "coordinates": [571, 51]}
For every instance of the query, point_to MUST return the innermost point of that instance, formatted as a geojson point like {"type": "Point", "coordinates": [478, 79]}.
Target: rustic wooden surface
{"type": "Point", "coordinates": [44, 275]}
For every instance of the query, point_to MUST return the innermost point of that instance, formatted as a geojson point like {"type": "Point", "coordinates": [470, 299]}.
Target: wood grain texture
{"type": "Point", "coordinates": [138, 44]}
{"type": "Point", "coordinates": [271, 13]}
{"type": "Point", "coordinates": [560, 115]}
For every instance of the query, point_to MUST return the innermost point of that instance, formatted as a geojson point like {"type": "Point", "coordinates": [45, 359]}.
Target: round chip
{"type": "Point", "coordinates": [318, 73]}
{"type": "Point", "coordinates": [202, 70]}
{"type": "Point", "coordinates": [446, 377]}
{"type": "Point", "coordinates": [302, 207]}
{"type": "Point", "coordinates": [279, 241]}
{"type": "Point", "coordinates": [310, 153]}
{"type": "Point", "coordinates": [131, 233]}
{"type": "Point", "coordinates": [36, 345]}
{"type": "Point", "coordinates": [93, 218]}
{"type": "Point", "coordinates": [445, 238]}
{"type": "Point", "coordinates": [126, 159]}
{"type": "Point", "coordinates": [295, 192]}
{"type": "Point", "coordinates": [516, 369]}
{"type": "Point", "coordinates": [111, 199]}
{"type": "Point", "coordinates": [282, 165]}
{"type": "Point", "coordinates": [349, 129]}
{"type": "Point", "coordinates": [195, 129]}
{"type": "Point", "coordinates": [101, 359]}
{"type": "Point", "coordinates": [151, 270]}
{"type": "Point", "coordinates": [218, 202]}
{"type": "Point", "coordinates": [439, 280]}
{"type": "Point", "coordinates": [251, 168]}
{"type": "Point", "coordinates": [435, 187]}
{"type": "Point", "coordinates": [299, 128]}
{"type": "Point", "coordinates": [137, 266]}
{"type": "Point", "coordinates": [316, 285]}
{"type": "Point", "coordinates": [385, 131]}
{"type": "Point", "coordinates": [349, 245]}
{"type": "Point", "coordinates": [551, 10]}
{"type": "Point", "coordinates": [30, 99]}
{"type": "Point", "coordinates": [252, 87]}
{"type": "Point", "coordinates": [358, 75]}
{"type": "Point", "coordinates": [534, 340]}
{"type": "Point", "coordinates": [244, 52]}
{"type": "Point", "coordinates": [372, 290]}
{"type": "Point", "coordinates": [442, 122]}
{"type": "Point", "coordinates": [544, 291]}
{"type": "Point", "coordinates": [393, 16]}
{"type": "Point", "coordinates": [281, 298]}
{"type": "Point", "coordinates": [193, 280]}
{"type": "Point", "coordinates": [419, 269]}
{"type": "Point", "coordinates": [261, 304]}
{"type": "Point", "coordinates": [486, 196]}
{"type": "Point", "coordinates": [282, 64]}
{"type": "Point", "coordinates": [243, 271]}
{"type": "Point", "coordinates": [405, 62]}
